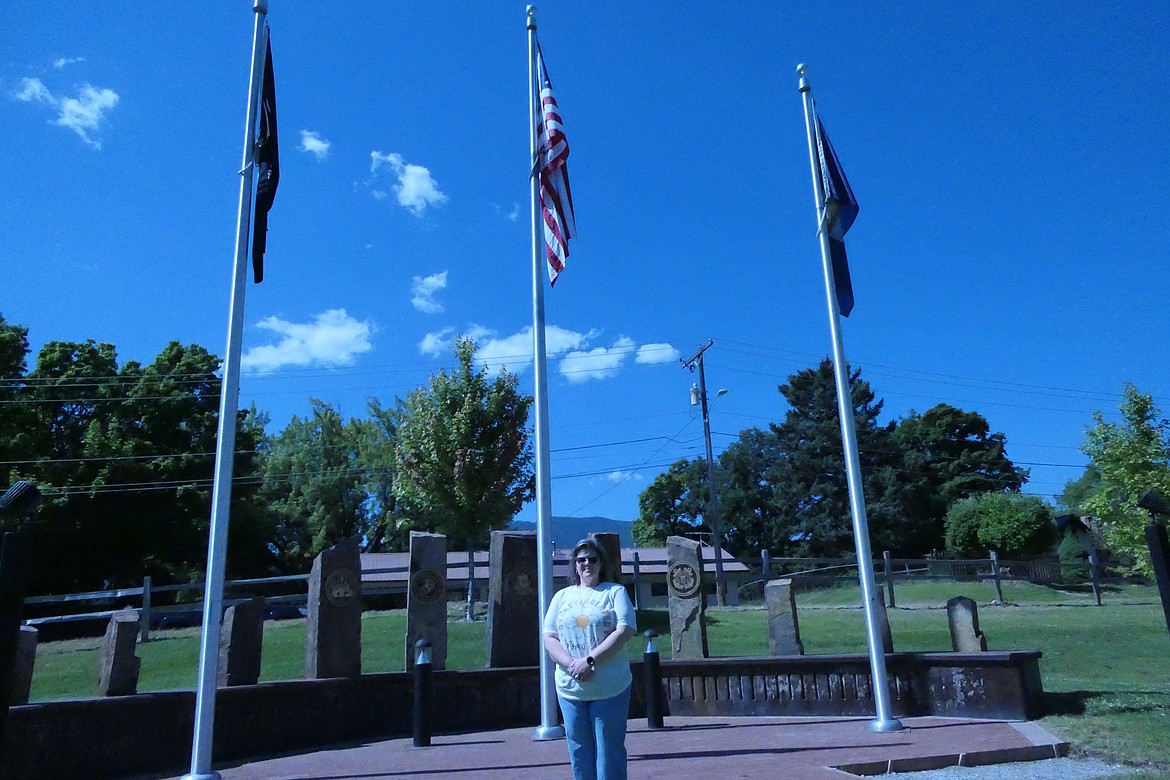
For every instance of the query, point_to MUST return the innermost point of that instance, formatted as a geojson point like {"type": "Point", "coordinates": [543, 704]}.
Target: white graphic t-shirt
{"type": "Point", "coordinates": [582, 618]}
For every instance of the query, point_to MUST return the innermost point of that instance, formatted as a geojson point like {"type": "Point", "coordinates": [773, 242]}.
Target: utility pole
{"type": "Point", "coordinates": [712, 499]}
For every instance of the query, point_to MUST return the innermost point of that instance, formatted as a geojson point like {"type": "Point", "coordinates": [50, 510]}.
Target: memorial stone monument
{"type": "Point", "coordinates": [686, 601]}
{"type": "Point", "coordinates": [333, 625]}
{"type": "Point", "coordinates": [426, 597]}
{"type": "Point", "coordinates": [783, 628]}
{"type": "Point", "coordinates": [22, 672]}
{"type": "Point", "coordinates": [119, 665]}
{"type": "Point", "coordinates": [883, 620]}
{"type": "Point", "coordinates": [241, 643]}
{"type": "Point", "coordinates": [963, 618]}
{"type": "Point", "coordinates": [513, 618]}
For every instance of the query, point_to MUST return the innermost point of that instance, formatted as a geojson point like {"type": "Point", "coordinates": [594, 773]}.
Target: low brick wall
{"type": "Point", "coordinates": [970, 685]}
{"type": "Point", "coordinates": [151, 733]}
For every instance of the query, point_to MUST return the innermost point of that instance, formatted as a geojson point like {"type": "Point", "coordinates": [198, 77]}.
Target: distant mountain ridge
{"type": "Point", "coordinates": [567, 531]}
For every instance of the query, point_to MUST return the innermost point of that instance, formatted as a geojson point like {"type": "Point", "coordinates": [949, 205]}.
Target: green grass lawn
{"type": "Point", "coordinates": [1106, 670]}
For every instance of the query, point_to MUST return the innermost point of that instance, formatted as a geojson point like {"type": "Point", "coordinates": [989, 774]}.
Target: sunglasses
{"type": "Point", "coordinates": [586, 559]}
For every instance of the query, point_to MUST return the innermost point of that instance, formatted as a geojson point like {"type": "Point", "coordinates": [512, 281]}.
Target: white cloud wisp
{"type": "Point", "coordinates": [314, 144]}
{"type": "Point", "coordinates": [83, 114]}
{"type": "Point", "coordinates": [422, 292]}
{"type": "Point", "coordinates": [416, 188]}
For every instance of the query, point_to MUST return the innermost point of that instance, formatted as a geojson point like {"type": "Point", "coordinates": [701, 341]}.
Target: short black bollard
{"type": "Point", "coordinates": [422, 693]}
{"type": "Point", "coordinates": [652, 679]}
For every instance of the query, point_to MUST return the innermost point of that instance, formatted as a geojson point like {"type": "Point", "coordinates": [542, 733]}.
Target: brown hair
{"type": "Point", "coordinates": [589, 543]}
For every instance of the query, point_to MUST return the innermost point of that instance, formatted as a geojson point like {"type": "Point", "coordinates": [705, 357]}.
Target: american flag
{"type": "Point", "coordinates": [552, 154]}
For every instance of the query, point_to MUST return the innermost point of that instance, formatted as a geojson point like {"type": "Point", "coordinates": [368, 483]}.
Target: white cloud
{"type": "Point", "coordinates": [333, 338]}
{"type": "Point", "coordinates": [435, 344]}
{"type": "Point", "coordinates": [416, 188]}
{"type": "Point", "coordinates": [496, 352]}
{"type": "Point", "coordinates": [649, 354]}
{"type": "Point", "coordinates": [599, 363]}
{"type": "Point", "coordinates": [313, 143]}
{"type": "Point", "coordinates": [423, 289]}
{"type": "Point", "coordinates": [515, 351]}
{"type": "Point", "coordinates": [577, 361]}
{"type": "Point", "coordinates": [83, 114]}
{"type": "Point", "coordinates": [63, 61]}
{"type": "Point", "coordinates": [621, 476]}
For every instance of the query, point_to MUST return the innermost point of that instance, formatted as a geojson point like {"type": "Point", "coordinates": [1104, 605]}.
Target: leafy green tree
{"type": "Point", "coordinates": [1131, 456]}
{"type": "Point", "coordinates": [315, 485]}
{"type": "Point", "coordinates": [125, 459]}
{"type": "Point", "coordinates": [463, 460]}
{"type": "Point", "coordinates": [947, 454]}
{"type": "Point", "coordinates": [376, 438]}
{"type": "Point", "coordinates": [673, 504]}
{"type": "Point", "coordinates": [751, 467]}
{"type": "Point", "coordinates": [1078, 491]}
{"type": "Point", "coordinates": [1010, 523]}
{"type": "Point", "coordinates": [15, 420]}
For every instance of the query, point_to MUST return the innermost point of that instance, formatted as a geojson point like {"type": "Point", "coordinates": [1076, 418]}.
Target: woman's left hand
{"type": "Point", "coordinates": [580, 669]}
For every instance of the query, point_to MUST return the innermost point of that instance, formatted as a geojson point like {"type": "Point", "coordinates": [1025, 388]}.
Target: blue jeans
{"type": "Point", "coordinates": [596, 733]}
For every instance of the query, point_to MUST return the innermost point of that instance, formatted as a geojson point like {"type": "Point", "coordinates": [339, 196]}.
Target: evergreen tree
{"type": "Point", "coordinates": [946, 455]}
{"type": "Point", "coordinates": [809, 484]}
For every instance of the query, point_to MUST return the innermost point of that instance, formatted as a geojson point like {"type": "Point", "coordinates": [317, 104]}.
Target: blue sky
{"type": "Point", "coordinates": [1010, 160]}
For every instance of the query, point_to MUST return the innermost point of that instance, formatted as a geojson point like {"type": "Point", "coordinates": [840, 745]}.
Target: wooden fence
{"type": "Point", "coordinates": [168, 605]}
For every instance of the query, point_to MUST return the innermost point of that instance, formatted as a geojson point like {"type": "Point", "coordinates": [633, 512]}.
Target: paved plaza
{"type": "Point", "coordinates": [709, 748]}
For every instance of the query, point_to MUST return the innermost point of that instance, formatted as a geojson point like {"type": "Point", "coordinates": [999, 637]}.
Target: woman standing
{"type": "Point", "coordinates": [585, 630]}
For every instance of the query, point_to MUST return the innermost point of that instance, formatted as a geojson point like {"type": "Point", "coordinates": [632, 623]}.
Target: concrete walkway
{"type": "Point", "coordinates": [706, 748]}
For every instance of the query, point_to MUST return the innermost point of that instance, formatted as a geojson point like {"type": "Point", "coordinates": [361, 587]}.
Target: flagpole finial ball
{"type": "Point", "coordinates": [532, 10]}
{"type": "Point", "coordinates": [802, 69]}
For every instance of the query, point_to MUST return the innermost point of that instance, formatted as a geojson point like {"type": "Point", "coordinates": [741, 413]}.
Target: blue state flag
{"type": "Point", "coordinates": [840, 209]}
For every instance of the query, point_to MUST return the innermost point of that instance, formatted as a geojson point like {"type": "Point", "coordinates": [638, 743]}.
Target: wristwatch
{"type": "Point", "coordinates": [589, 660]}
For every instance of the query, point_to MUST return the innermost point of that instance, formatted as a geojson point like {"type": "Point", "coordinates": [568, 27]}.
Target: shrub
{"type": "Point", "coordinates": [962, 527]}
{"type": "Point", "coordinates": [1009, 523]}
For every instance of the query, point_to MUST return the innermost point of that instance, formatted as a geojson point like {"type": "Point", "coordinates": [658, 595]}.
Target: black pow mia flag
{"type": "Point", "coordinates": [268, 162]}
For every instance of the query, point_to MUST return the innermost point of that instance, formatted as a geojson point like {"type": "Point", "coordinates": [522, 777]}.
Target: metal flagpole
{"type": "Point", "coordinates": [226, 437]}
{"type": "Point", "coordinates": [877, 658]}
{"type": "Point", "coordinates": [548, 729]}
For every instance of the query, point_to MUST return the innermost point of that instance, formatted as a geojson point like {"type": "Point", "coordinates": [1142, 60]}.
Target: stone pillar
{"type": "Point", "coordinates": [426, 597]}
{"type": "Point", "coordinates": [22, 672]}
{"type": "Point", "coordinates": [783, 628]}
{"type": "Point", "coordinates": [241, 643]}
{"type": "Point", "coordinates": [513, 618]}
{"type": "Point", "coordinates": [684, 580]}
{"type": "Point", "coordinates": [883, 620]}
{"type": "Point", "coordinates": [612, 545]}
{"type": "Point", "coordinates": [963, 618]}
{"type": "Point", "coordinates": [119, 666]}
{"type": "Point", "coordinates": [333, 624]}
